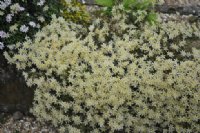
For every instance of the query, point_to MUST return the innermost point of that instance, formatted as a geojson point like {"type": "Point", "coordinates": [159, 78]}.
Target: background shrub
{"type": "Point", "coordinates": [75, 11]}
{"type": "Point", "coordinates": [20, 19]}
{"type": "Point", "coordinates": [23, 18]}
{"type": "Point", "coordinates": [113, 76]}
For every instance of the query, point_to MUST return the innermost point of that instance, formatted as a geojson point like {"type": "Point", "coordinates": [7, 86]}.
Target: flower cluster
{"type": "Point", "coordinates": [21, 19]}
{"type": "Point", "coordinates": [4, 4]}
{"type": "Point", "coordinates": [114, 76]}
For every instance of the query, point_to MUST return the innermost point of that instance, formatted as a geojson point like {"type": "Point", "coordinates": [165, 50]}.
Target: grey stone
{"type": "Point", "coordinates": [17, 116]}
{"type": "Point", "coordinates": [14, 94]}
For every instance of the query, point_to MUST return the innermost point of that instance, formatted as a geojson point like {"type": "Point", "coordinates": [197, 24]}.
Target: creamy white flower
{"type": "Point", "coordinates": [46, 8]}
{"type": "Point", "coordinates": [4, 4]}
{"type": "Point", "coordinates": [183, 53]}
{"type": "Point", "coordinates": [9, 18]}
{"type": "Point", "coordinates": [91, 28]}
{"type": "Point", "coordinates": [11, 46]}
{"type": "Point", "coordinates": [97, 21]}
{"type": "Point", "coordinates": [170, 54]}
{"type": "Point", "coordinates": [38, 26]}
{"type": "Point", "coordinates": [41, 3]}
{"type": "Point", "coordinates": [1, 13]}
{"type": "Point", "coordinates": [15, 8]}
{"type": "Point", "coordinates": [3, 34]}
{"type": "Point", "coordinates": [1, 45]}
{"type": "Point", "coordinates": [24, 28]}
{"type": "Point", "coordinates": [41, 19]}
{"type": "Point", "coordinates": [13, 28]}
{"type": "Point", "coordinates": [33, 24]}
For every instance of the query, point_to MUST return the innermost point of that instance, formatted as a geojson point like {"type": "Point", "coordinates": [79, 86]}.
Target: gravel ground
{"type": "Point", "coordinates": [17, 123]}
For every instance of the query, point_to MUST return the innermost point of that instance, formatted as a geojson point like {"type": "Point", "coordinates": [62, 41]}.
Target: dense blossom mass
{"type": "Point", "coordinates": [125, 71]}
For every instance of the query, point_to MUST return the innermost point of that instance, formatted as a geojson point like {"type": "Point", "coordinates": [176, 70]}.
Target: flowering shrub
{"type": "Point", "coordinates": [21, 19]}
{"type": "Point", "coordinates": [115, 77]}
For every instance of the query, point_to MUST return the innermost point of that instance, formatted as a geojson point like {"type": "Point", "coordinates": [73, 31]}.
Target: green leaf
{"type": "Point", "coordinates": [138, 4]}
{"type": "Point", "coordinates": [151, 18]}
{"type": "Point", "coordinates": [128, 3]}
{"type": "Point", "coordinates": [107, 3]}
{"type": "Point", "coordinates": [142, 5]}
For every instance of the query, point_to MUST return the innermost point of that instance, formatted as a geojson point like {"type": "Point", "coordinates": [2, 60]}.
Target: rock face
{"type": "Point", "coordinates": [184, 7]}
{"type": "Point", "coordinates": [14, 94]}
{"type": "Point", "coordinates": [168, 2]}
{"type": "Point", "coordinates": [182, 2]}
